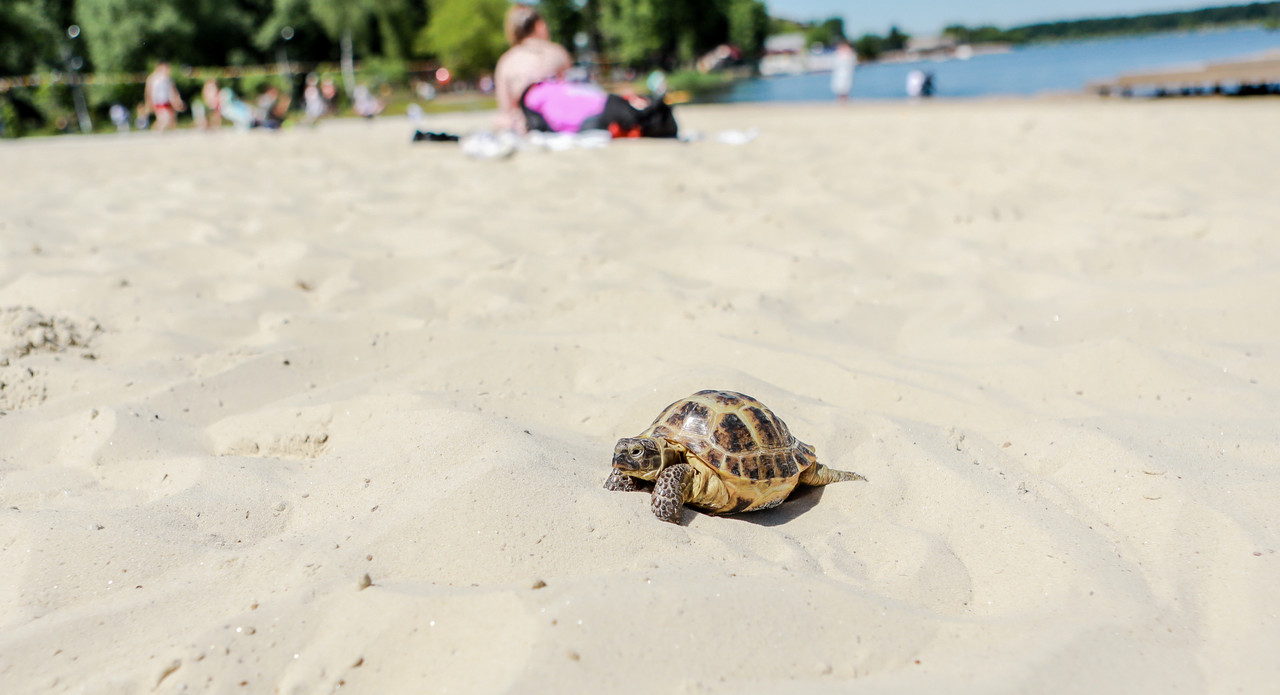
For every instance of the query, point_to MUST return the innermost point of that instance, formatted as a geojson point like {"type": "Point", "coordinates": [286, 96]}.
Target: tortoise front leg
{"type": "Point", "coordinates": [670, 491]}
{"type": "Point", "coordinates": [620, 482]}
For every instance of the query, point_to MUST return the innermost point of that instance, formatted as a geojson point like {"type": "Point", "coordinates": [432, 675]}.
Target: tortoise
{"type": "Point", "coordinates": [720, 451]}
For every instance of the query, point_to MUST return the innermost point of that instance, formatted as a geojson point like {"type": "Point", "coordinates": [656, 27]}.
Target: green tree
{"type": "Point", "coordinates": [311, 40]}
{"type": "Point", "coordinates": [700, 25]}
{"type": "Point", "coordinates": [32, 33]}
{"type": "Point", "coordinates": [826, 33]}
{"type": "Point", "coordinates": [129, 35]}
{"type": "Point", "coordinates": [465, 35]}
{"type": "Point", "coordinates": [782, 25]}
{"type": "Point", "coordinates": [748, 26]}
{"type": "Point", "coordinates": [869, 47]}
{"type": "Point", "coordinates": [896, 40]}
{"type": "Point", "coordinates": [639, 32]}
{"type": "Point", "coordinates": [31, 39]}
{"type": "Point", "coordinates": [564, 20]}
{"type": "Point", "coordinates": [631, 29]}
{"type": "Point", "coordinates": [351, 24]}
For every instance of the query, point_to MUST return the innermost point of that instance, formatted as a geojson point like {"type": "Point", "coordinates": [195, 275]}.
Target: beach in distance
{"type": "Point", "coordinates": [324, 411]}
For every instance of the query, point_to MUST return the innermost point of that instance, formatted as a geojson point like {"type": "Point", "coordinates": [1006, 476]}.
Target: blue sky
{"type": "Point", "coordinates": [925, 17]}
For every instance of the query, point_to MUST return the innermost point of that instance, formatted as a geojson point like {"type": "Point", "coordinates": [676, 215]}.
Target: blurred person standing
{"type": "Point", "coordinates": [120, 117]}
{"type": "Point", "coordinates": [212, 103]}
{"type": "Point", "coordinates": [915, 84]}
{"type": "Point", "coordinates": [842, 70]}
{"type": "Point", "coordinates": [532, 58]}
{"type": "Point", "coordinates": [162, 98]}
{"type": "Point", "coordinates": [313, 102]}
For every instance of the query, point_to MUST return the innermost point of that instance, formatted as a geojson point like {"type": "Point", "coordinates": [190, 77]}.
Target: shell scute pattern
{"type": "Point", "coordinates": [734, 434]}
{"type": "Point", "coordinates": [772, 432]}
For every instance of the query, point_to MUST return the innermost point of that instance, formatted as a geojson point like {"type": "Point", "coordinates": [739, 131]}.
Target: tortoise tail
{"type": "Point", "coordinates": [819, 474]}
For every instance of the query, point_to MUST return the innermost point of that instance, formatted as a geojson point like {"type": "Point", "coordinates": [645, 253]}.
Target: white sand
{"type": "Point", "coordinates": [241, 372]}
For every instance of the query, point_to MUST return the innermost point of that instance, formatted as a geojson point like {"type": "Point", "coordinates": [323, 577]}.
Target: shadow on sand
{"type": "Point", "coordinates": [801, 500]}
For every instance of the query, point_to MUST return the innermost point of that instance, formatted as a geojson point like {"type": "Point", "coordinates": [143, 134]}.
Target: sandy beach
{"type": "Point", "coordinates": [240, 373]}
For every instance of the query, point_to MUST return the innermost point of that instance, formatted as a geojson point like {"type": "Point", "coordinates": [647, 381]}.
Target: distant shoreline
{"type": "Point", "coordinates": [1266, 15]}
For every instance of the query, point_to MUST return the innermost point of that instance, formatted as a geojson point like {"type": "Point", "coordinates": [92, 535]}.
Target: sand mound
{"type": "Point", "coordinates": [25, 332]}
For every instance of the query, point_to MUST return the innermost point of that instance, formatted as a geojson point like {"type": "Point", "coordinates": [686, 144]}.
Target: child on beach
{"type": "Point", "coordinates": [162, 97]}
{"type": "Point", "coordinates": [212, 104]}
{"type": "Point", "coordinates": [314, 103]}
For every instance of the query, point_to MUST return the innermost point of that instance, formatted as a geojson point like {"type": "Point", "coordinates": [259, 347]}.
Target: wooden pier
{"type": "Point", "coordinates": [1258, 75]}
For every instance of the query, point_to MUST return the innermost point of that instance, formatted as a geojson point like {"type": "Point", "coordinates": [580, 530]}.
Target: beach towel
{"type": "Point", "coordinates": [571, 107]}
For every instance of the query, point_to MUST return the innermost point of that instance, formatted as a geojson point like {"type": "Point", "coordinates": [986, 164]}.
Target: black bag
{"type": "Point", "coordinates": [657, 120]}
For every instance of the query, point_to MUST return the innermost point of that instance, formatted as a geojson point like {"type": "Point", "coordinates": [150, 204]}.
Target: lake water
{"type": "Point", "coordinates": [1059, 67]}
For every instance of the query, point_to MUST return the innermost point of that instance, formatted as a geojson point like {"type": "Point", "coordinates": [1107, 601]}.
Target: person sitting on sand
{"type": "Point", "coordinates": [364, 103]}
{"type": "Point", "coordinates": [272, 109]}
{"type": "Point", "coordinates": [572, 107]}
{"type": "Point", "coordinates": [236, 111]}
{"type": "Point", "coordinates": [532, 58]}
{"type": "Point", "coordinates": [533, 94]}
{"type": "Point", "coordinates": [162, 97]}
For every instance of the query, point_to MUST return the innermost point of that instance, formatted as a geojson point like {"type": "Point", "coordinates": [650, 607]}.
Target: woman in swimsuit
{"type": "Point", "coordinates": [532, 58]}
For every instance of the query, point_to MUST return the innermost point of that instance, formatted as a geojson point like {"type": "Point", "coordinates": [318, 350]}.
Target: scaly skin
{"type": "Point", "coordinates": [670, 490]}
{"type": "Point", "coordinates": [620, 482]}
{"type": "Point", "coordinates": [819, 474]}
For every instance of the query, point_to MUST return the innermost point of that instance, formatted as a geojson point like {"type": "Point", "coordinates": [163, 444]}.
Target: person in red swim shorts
{"type": "Point", "coordinates": [162, 97]}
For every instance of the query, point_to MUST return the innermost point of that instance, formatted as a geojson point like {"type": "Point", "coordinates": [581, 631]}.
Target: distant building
{"type": "Point", "coordinates": [785, 43]}
{"type": "Point", "coordinates": [784, 54]}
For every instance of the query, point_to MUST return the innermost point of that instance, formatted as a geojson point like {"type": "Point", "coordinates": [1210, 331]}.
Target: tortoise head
{"type": "Point", "coordinates": [638, 456]}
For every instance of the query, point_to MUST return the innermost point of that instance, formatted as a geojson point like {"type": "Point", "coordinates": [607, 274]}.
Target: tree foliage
{"type": "Point", "coordinates": [32, 33]}
{"type": "Point", "coordinates": [896, 40]}
{"type": "Point", "coordinates": [564, 19]}
{"type": "Point", "coordinates": [748, 26]}
{"type": "Point", "coordinates": [132, 34]}
{"type": "Point", "coordinates": [826, 32]}
{"type": "Point", "coordinates": [465, 35]}
{"type": "Point", "coordinates": [869, 46]}
{"type": "Point", "coordinates": [674, 32]}
{"type": "Point", "coordinates": [376, 26]}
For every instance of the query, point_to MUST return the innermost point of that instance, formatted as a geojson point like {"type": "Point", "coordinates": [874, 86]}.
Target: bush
{"type": "Point", "coordinates": [375, 72]}
{"type": "Point", "coordinates": [694, 81]}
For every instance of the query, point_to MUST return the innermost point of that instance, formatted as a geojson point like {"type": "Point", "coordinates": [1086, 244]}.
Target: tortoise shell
{"type": "Point", "coordinates": [736, 435]}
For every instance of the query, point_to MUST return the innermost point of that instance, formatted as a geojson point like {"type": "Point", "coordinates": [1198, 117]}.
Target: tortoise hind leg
{"type": "Point", "coordinates": [818, 474]}
{"type": "Point", "coordinates": [670, 492]}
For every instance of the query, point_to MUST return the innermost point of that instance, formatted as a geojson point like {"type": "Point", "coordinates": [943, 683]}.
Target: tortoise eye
{"type": "Point", "coordinates": [636, 452]}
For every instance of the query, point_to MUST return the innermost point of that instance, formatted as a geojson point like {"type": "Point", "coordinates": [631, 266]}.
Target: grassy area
{"type": "Point", "coordinates": [690, 83]}
{"type": "Point", "coordinates": [696, 82]}
{"type": "Point", "coordinates": [398, 102]}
